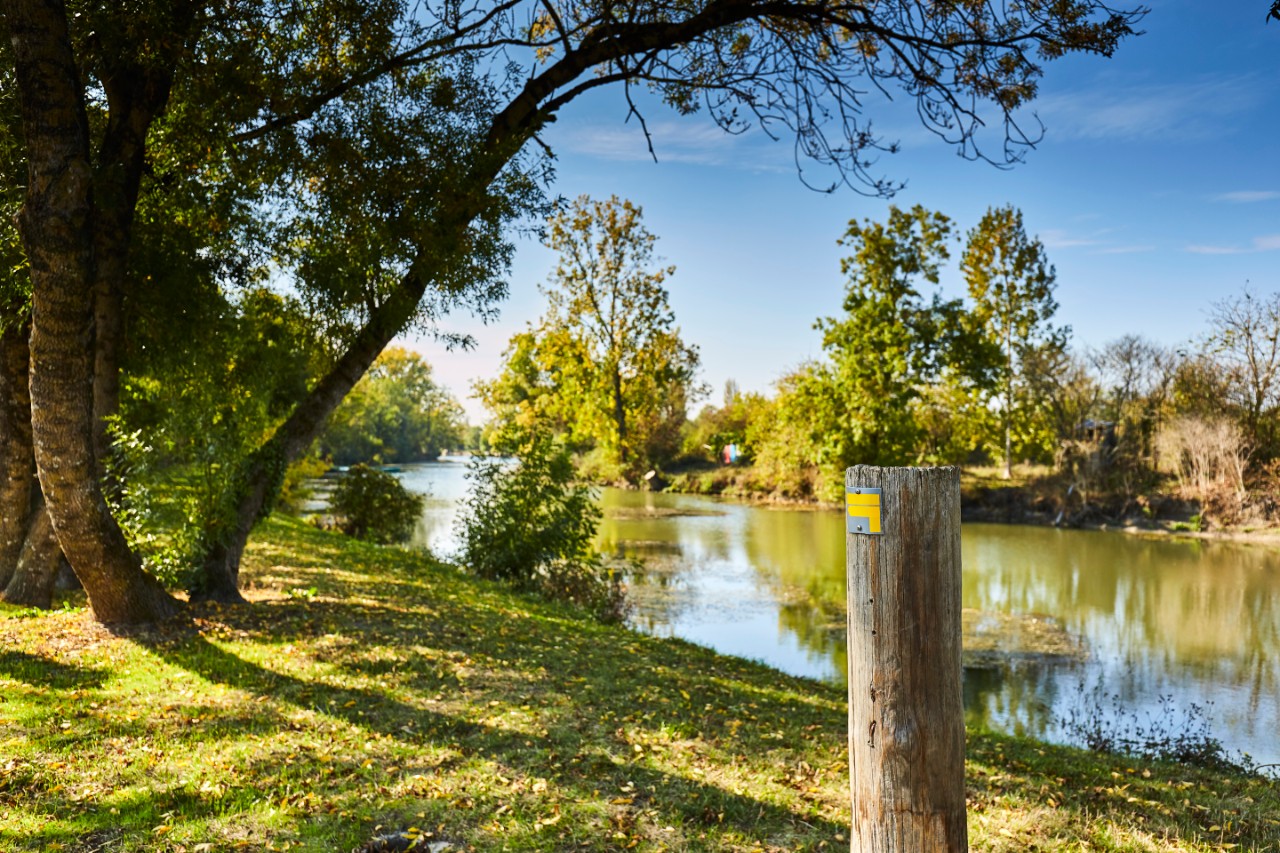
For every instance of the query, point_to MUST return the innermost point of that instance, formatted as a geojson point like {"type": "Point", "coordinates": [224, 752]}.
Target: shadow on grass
{"type": "Point", "coordinates": [531, 660]}
{"type": "Point", "coordinates": [40, 671]}
{"type": "Point", "coordinates": [378, 711]}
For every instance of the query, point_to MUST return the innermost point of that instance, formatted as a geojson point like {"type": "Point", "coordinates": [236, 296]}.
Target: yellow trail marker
{"type": "Point", "coordinates": [862, 511]}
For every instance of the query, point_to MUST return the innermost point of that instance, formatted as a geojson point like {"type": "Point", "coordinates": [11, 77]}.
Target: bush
{"type": "Point", "coordinates": [294, 491]}
{"type": "Point", "coordinates": [532, 525]}
{"type": "Point", "coordinates": [371, 504]}
{"type": "Point", "coordinates": [1165, 736]}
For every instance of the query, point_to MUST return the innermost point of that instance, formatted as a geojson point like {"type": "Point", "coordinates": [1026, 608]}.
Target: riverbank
{"type": "Point", "coordinates": [371, 693]}
{"type": "Point", "coordinates": [1030, 497]}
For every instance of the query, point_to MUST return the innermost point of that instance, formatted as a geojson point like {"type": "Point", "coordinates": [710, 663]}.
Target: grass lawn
{"type": "Point", "coordinates": [371, 693]}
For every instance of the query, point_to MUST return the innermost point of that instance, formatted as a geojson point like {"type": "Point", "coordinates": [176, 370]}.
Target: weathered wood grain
{"type": "Point", "coordinates": [906, 713]}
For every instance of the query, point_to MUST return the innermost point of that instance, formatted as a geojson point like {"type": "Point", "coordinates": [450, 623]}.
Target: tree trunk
{"type": "Point", "coordinates": [906, 712]}
{"type": "Point", "coordinates": [58, 229]}
{"type": "Point", "coordinates": [620, 416]}
{"type": "Point", "coordinates": [1008, 402]}
{"type": "Point", "coordinates": [29, 552]}
{"type": "Point", "coordinates": [37, 569]}
{"type": "Point", "coordinates": [17, 462]}
{"type": "Point", "coordinates": [135, 96]}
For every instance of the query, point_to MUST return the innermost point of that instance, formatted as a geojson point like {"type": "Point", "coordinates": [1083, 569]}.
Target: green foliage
{"type": "Point", "coordinates": [606, 365]}
{"type": "Point", "coordinates": [395, 413]}
{"type": "Point", "coordinates": [154, 503]}
{"type": "Point", "coordinates": [706, 436]}
{"type": "Point", "coordinates": [887, 344]}
{"type": "Point", "coordinates": [1011, 283]}
{"type": "Point", "coordinates": [373, 505]}
{"type": "Point", "coordinates": [531, 524]}
{"type": "Point", "coordinates": [903, 365]}
{"type": "Point", "coordinates": [196, 415]}
{"type": "Point", "coordinates": [294, 491]}
{"type": "Point", "coordinates": [790, 439]}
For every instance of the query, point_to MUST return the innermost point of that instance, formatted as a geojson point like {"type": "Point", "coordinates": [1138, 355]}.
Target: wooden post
{"type": "Point", "coordinates": [906, 711]}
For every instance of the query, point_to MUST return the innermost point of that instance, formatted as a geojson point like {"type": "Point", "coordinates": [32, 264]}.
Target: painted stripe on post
{"type": "Point", "coordinates": [862, 511]}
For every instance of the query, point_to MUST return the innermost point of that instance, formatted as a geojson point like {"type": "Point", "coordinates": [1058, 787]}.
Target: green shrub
{"type": "Point", "coordinates": [371, 504]}
{"type": "Point", "coordinates": [531, 524]}
{"type": "Point", "coordinates": [294, 491]}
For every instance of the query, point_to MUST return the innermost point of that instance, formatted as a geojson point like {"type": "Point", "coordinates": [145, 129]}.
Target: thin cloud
{"type": "Point", "coordinates": [1056, 238]}
{"type": "Point", "coordinates": [1216, 250]}
{"type": "Point", "coordinates": [1137, 112]}
{"type": "Point", "coordinates": [1100, 241]}
{"type": "Point", "coordinates": [1124, 250]}
{"type": "Point", "coordinates": [1247, 196]}
{"type": "Point", "coordinates": [1264, 243]}
{"type": "Point", "coordinates": [674, 142]}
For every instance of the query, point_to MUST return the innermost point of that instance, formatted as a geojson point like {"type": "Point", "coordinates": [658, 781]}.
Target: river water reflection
{"type": "Point", "coordinates": [1195, 621]}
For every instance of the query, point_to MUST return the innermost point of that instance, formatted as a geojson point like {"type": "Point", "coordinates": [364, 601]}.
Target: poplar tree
{"type": "Point", "coordinates": [1011, 284]}
{"type": "Point", "coordinates": [610, 357]}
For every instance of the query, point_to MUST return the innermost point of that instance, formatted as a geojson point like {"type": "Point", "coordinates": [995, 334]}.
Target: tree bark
{"type": "Point", "coordinates": [906, 712]}
{"type": "Point", "coordinates": [37, 567]}
{"type": "Point", "coordinates": [135, 96]}
{"type": "Point", "coordinates": [58, 229]}
{"type": "Point", "coordinates": [620, 416]}
{"type": "Point", "coordinates": [17, 461]}
{"type": "Point", "coordinates": [29, 552]}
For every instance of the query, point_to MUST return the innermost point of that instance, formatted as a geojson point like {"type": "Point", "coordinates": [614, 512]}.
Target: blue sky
{"type": "Point", "coordinates": [1156, 191]}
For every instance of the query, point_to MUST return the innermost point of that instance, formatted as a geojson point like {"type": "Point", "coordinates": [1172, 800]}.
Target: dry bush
{"type": "Point", "coordinates": [1207, 455]}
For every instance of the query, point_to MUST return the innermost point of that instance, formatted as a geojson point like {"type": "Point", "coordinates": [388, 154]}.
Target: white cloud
{"type": "Point", "coordinates": [1101, 241]}
{"type": "Point", "coordinates": [1247, 196]}
{"type": "Point", "coordinates": [1192, 110]}
{"type": "Point", "coordinates": [1125, 250]}
{"type": "Point", "coordinates": [1264, 243]}
{"type": "Point", "coordinates": [1056, 238]}
{"type": "Point", "coordinates": [1198, 249]}
{"type": "Point", "coordinates": [698, 143]}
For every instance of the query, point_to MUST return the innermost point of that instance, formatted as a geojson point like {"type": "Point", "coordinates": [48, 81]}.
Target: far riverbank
{"type": "Point", "coordinates": [1031, 497]}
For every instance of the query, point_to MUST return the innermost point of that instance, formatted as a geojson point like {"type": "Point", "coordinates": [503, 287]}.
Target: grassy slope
{"type": "Point", "coordinates": [403, 696]}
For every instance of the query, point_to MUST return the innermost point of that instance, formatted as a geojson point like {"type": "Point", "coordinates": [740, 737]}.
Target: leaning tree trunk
{"type": "Point", "coordinates": [260, 479]}
{"type": "Point", "coordinates": [58, 222]}
{"type": "Point", "coordinates": [259, 484]}
{"type": "Point", "coordinates": [509, 130]}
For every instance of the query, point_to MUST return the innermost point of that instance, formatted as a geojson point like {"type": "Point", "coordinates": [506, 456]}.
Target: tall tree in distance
{"type": "Point", "coordinates": [895, 340]}
{"type": "Point", "coordinates": [1011, 284]}
{"type": "Point", "coordinates": [619, 375]}
{"type": "Point", "coordinates": [886, 344]}
{"type": "Point", "coordinates": [1244, 336]}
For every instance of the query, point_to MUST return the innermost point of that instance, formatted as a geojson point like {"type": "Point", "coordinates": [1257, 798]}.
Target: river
{"type": "Point", "coordinates": [1166, 623]}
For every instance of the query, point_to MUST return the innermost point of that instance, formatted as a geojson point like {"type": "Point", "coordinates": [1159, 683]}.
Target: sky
{"type": "Point", "coordinates": [1155, 191]}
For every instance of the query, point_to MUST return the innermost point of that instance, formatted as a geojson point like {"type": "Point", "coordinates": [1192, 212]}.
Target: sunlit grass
{"type": "Point", "coordinates": [369, 691]}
